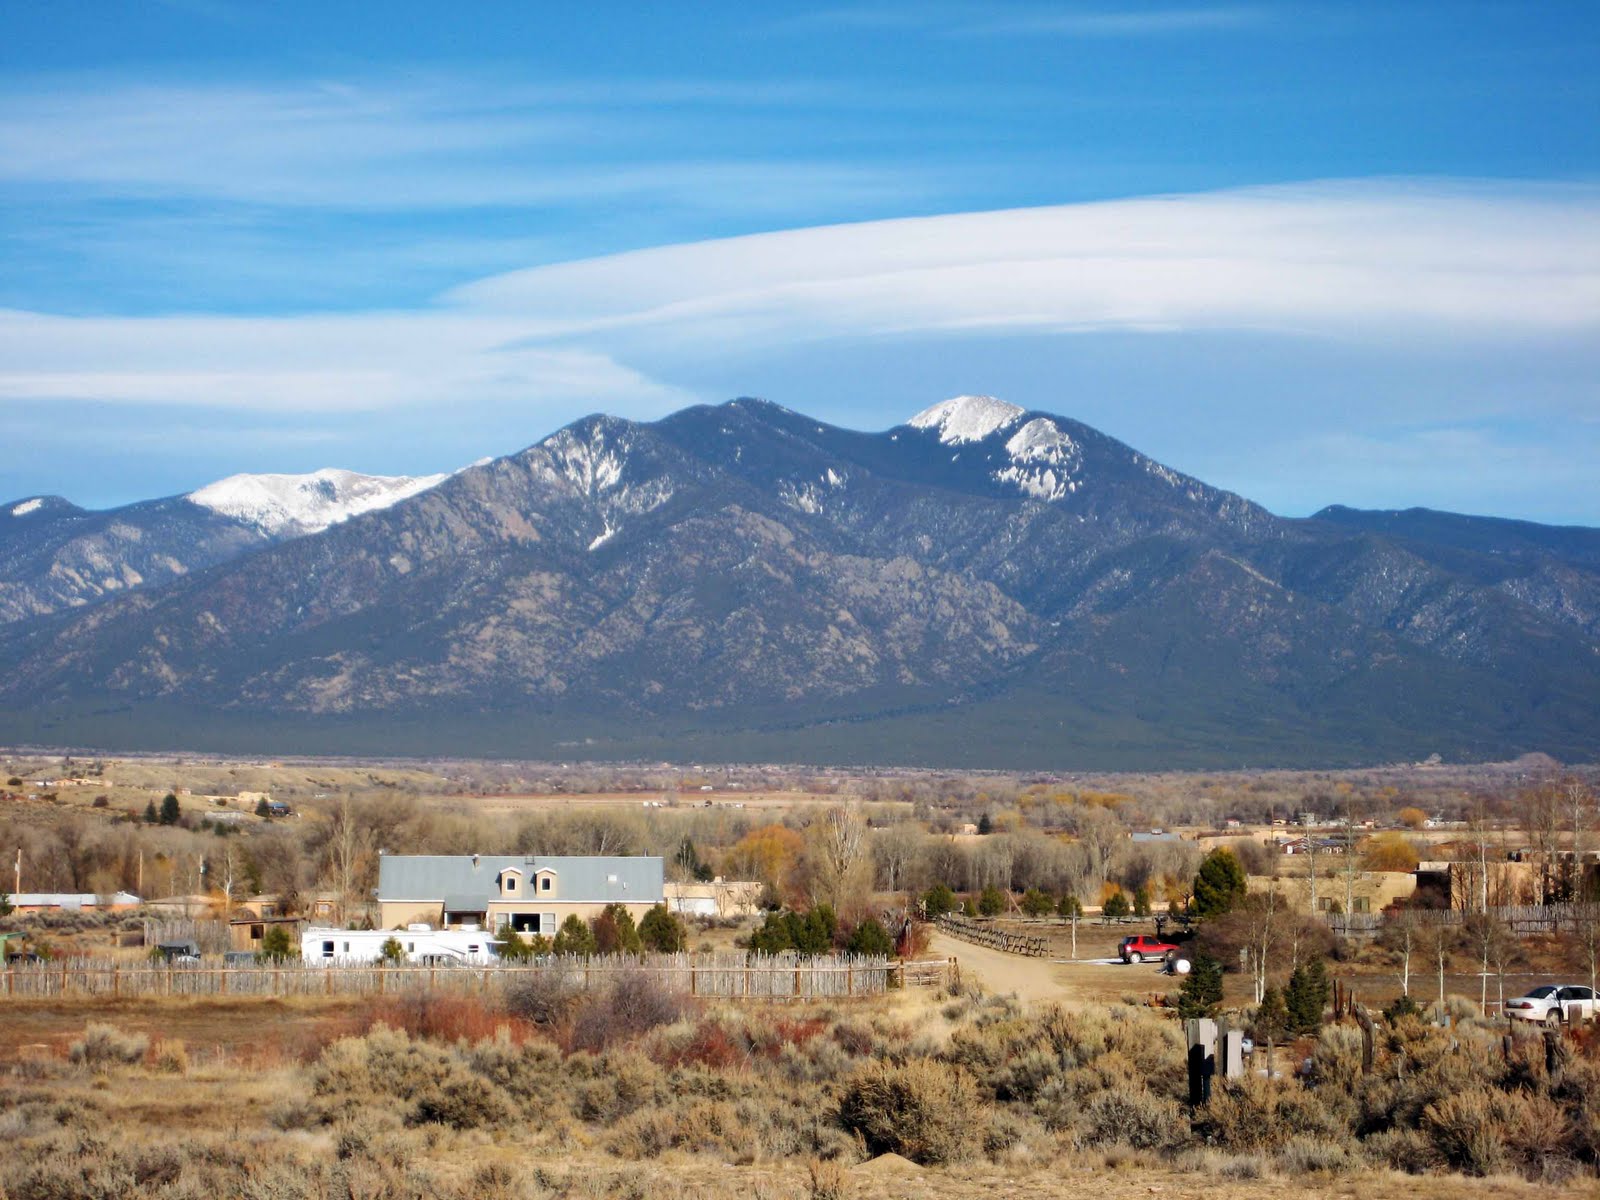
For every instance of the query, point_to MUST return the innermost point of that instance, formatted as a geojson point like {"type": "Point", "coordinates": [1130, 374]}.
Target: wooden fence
{"type": "Point", "coordinates": [1522, 919]}
{"type": "Point", "coordinates": [726, 976]}
{"type": "Point", "coordinates": [995, 939]}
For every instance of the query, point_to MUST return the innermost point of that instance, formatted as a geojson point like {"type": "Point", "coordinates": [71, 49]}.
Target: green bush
{"type": "Point", "coordinates": [870, 937]}
{"type": "Point", "coordinates": [1037, 903]}
{"type": "Point", "coordinates": [662, 931]}
{"type": "Point", "coordinates": [574, 937]}
{"type": "Point", "coordinates": [939, 900]}
{"type": "Point", "coordinates": [991, 902]}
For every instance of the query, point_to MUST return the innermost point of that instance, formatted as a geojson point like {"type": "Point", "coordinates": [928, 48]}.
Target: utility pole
{"type": "Point", "coordinates": [18, 888]}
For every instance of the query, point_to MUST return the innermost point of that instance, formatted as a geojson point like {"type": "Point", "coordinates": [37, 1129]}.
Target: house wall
{"type": "Point", "coordinates": [397, 914]}
{"type": "Point", "coordinates": [1376, 889]}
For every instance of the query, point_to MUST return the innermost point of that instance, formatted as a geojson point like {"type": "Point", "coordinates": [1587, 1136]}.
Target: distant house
{"type": "Point", "coordinates": [73, 902]}
{"type": "Point", "coordinates": [716, 899]}
{"type": "Point", "coordinates": [529, 893]}
{"type": "Point", "coordinates": [248, 932]}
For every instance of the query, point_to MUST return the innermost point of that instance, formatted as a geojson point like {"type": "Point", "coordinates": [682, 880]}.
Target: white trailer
{"type": "Point", "coordinates": [423, 946]}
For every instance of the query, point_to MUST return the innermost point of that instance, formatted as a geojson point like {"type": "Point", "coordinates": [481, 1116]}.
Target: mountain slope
{"type": "Point", "coordinates": [981, 585]}
{"type": "Point", "coordinates": [55, 555]}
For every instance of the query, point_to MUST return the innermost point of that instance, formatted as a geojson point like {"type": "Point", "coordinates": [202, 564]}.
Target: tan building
{"type": "Point", "coordinates": [720, 898]}
{"type": "Point", "coordinates": [1373, 891]}
{"type": "Point", "coordinates": [530, 893]}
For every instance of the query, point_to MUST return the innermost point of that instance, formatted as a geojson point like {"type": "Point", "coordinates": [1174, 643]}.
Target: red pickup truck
{"type": "Point", "coordinates": [1139, 947]}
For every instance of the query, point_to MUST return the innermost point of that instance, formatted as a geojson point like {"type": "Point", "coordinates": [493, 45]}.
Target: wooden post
{"type": "Point", "coordinates": [116, 980]}
{"type": "Point", "coordinates": [223, 974]}
{"type": "Point", "coordinates": [1364, 1019]}
{"type": "Point", "coordinates": [694, 983]}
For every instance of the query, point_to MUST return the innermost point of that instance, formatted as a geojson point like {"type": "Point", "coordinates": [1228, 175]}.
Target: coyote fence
{"type": "Point", "coordinates": [995, 939]}
{"type": "Point", "coordinates": [724, 976]}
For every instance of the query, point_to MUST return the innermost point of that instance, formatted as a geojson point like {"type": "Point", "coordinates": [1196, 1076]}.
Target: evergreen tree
{"type": "Point", "coordinates": [939, 900]}
{"type": "Point", "coordinates": [262, 810]}
{"type": "Point", "coordinates": [1037, 903]}
{"type": "Point", "coordinates": [275, 945]}
{"type": "Point", "coordinates": [662, 931]}
{"type": "Point", "coordinates": [392, 953]}
{"type": "Point", "coordinates": [1272, 1017]}
{"type": "Point", "coordinates": [1307, 996]}
{"type": "Point", "coordinates": [985, 824]}
{"type": "Point", "coordinates": [170, 812]}
{"type": "Point", "coordinates": [574, 937]}
{"type": "Point", "coordinates": [991, 902]}
{"type": "Point", "coordinates": [870, 937]}
{"type": "Point", "coordinates": [773, 936]}
{"type": "Point", "coordinates": [1219, 884]}
{"type": "Point", "coordinates": [815, 934]}
{"type": "Point", "coordinates": [150, 814]}
{"type": "Point", "coordinates": [6, 907]}
{"type": "Point", "coordinates": [688, 858]}
{"type": "Point", "coordinates": [1116, 906]}
{"type": "Point", "coordinates": [1200, 994]}
{"type": "Point", "coordinates": [1070, 907]}
{"type": "Point", "coordinates": [510, 946]}
{"type": "Point", "coordinates": [1141, 901]}
{"type": "Point", "coordinates": [615, 932]}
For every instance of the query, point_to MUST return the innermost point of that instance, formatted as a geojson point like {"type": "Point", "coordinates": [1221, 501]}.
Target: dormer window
{"type": "Point", "coordinates": [547, 883]}
{"type": "Point", "coordinates": [511, 882]}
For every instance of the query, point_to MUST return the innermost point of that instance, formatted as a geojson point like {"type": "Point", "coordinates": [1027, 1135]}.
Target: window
{"type": "Point", "coordinates": [547, 923]}
{"type": "Point", "coordinates": [256, 933]}
{"type": "Point", "coordinates": [545, 883]}
{"type": "Point", "coordinates": [1360, 904]}
{"type": "Point", "coordinates": [347, 947]}
{"type": "Point", "coordinates": [327, 949]}
{"type": "Point", "coordinates": [511, 883]}
{"type": "Point", "coordinates": [411, 947]}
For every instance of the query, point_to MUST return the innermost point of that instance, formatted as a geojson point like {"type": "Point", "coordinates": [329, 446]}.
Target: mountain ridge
{"type": "Point", "coordinates": [742, 577]}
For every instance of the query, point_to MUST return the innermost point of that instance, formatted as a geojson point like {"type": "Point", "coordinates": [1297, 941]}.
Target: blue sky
{"type": "Point", "coordinates": [1315, 253]}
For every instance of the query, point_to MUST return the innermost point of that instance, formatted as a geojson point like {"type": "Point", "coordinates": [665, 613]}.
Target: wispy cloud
{"type": "Point", "coordinates": [440, 144]}
{"type": "Point", "coordinates": [1371, 265]}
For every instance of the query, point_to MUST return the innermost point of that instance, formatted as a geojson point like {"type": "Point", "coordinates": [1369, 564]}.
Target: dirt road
{"type": "Point", "coordinates": [1040, 980]}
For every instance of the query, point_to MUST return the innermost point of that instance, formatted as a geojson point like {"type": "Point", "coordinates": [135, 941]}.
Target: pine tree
{"type": "Point", "coordinates": [939, 900]}
{"type": "Point", "coordinates": [1141, 901]}
{"type": "Point", "coordinates": [1219, 884]}
{"type": "Point", "coordinates": [170, 812]}
{"type": "Point", "coordinates": [662, 931]}
{"type": "Point", "coordinates": [1070, 907]}
{"type": "Point", "coordinates": [1307, 996]}
{"type": "Point", "coordinates": [1200, 994]}
{"type": "Point", "coordinates": [263, 810]}
{"type": "Point", "coordinates": [870, 937]}
{"type": "Point", "coordinates": [150, 814]}
{"type": "Point", "coordinates": [574, 937]}
{"type": "Point", "coordinates": [991, 902]}
{"type": "Point", "coordinates": [1272, 1017]}
{"type": "Point", "coordinates": [1115, 906]}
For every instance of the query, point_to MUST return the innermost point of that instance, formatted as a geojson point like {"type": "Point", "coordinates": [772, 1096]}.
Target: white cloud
{"type": "Point", "coordinates": [1366, 264]}
{"type": "Point", "coordinates": [1374, 261]}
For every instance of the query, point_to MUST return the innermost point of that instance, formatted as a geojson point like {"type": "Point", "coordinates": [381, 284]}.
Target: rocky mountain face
{"type": "Point", "coordinates": [55, 555]}
{"type": "Point", "coordinates": [980, 586]}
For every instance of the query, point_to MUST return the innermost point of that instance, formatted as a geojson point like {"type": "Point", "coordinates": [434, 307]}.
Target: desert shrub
{"type": "Point", "coordinates": [1466, 1130]}
{"type": "Point", "coordinates": [634, 1003]}
{"type": "Point", "coordinates": [926, 1111]}
{"type": "Point", "coordinates": [107, 1046]}
{"type": "Point", "coordinates": [1134, 1118]}
{"type": "Point", "coordinates": [1306, 1156]}
{"type": "Point", "coordinates": [441, 1016]}
{"type": "Point", "coordinates": [464, 1101]}
{"type": "Point", "coordinates": [1267, 1114]}
{"type": "Point", "coordinates": [171, 1057]}
{"type": "Point", "coordinates": [615, 1085]}
{"type": "Point", "coordinates": [544, 997]}
{"type": "Point", "coordinates": [699, 1126]}
{"type": "Point", "coordinates": [533, 1072]}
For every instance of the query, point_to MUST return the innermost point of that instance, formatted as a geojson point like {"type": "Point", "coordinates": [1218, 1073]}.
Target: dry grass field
{"type": "Point", "coordinates": [623, 1097]}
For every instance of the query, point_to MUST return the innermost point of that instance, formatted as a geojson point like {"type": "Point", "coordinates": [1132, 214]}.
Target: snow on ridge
{"type": "Point", "coordinates": [28, 506]}
{"type": "Point", "coordinates": [967, 418]}
{"type": "Point", "coordinates": [1042, 440]}
{"type": "Point", "coordinates": [300, 504]}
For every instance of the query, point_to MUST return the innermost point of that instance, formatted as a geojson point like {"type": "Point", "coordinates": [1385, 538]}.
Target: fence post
{"type": "Point", "coordinates": [694, 985]}
{"type": "Point", "coordinates": [224, 976]}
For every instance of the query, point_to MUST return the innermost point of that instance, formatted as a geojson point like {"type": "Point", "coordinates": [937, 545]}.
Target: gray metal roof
{"type": "Point", "coordinates": [579, 880]}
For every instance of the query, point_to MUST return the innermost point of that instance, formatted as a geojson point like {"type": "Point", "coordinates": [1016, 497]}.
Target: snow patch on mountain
{"type": "Point", "coordinates": [967, 418]}
{"type": "Point", "coordinates": [292, 505]}
{"type": "Point", "coordinates": [28, 506]}
{"type": "Point", "coordinates": [1044, 460]}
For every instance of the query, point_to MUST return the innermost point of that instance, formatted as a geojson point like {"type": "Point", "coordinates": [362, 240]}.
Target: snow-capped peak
{"type": "Point", "coordinates": [300, 504]}
{"type": "Point", "coordinates": [28, 506]}
{"type": "Point", "coordinates": [967, 418]}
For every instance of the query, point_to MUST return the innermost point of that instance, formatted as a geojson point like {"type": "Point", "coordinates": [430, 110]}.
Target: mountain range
{"type": "Point", "coordinates": [981, 586]}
